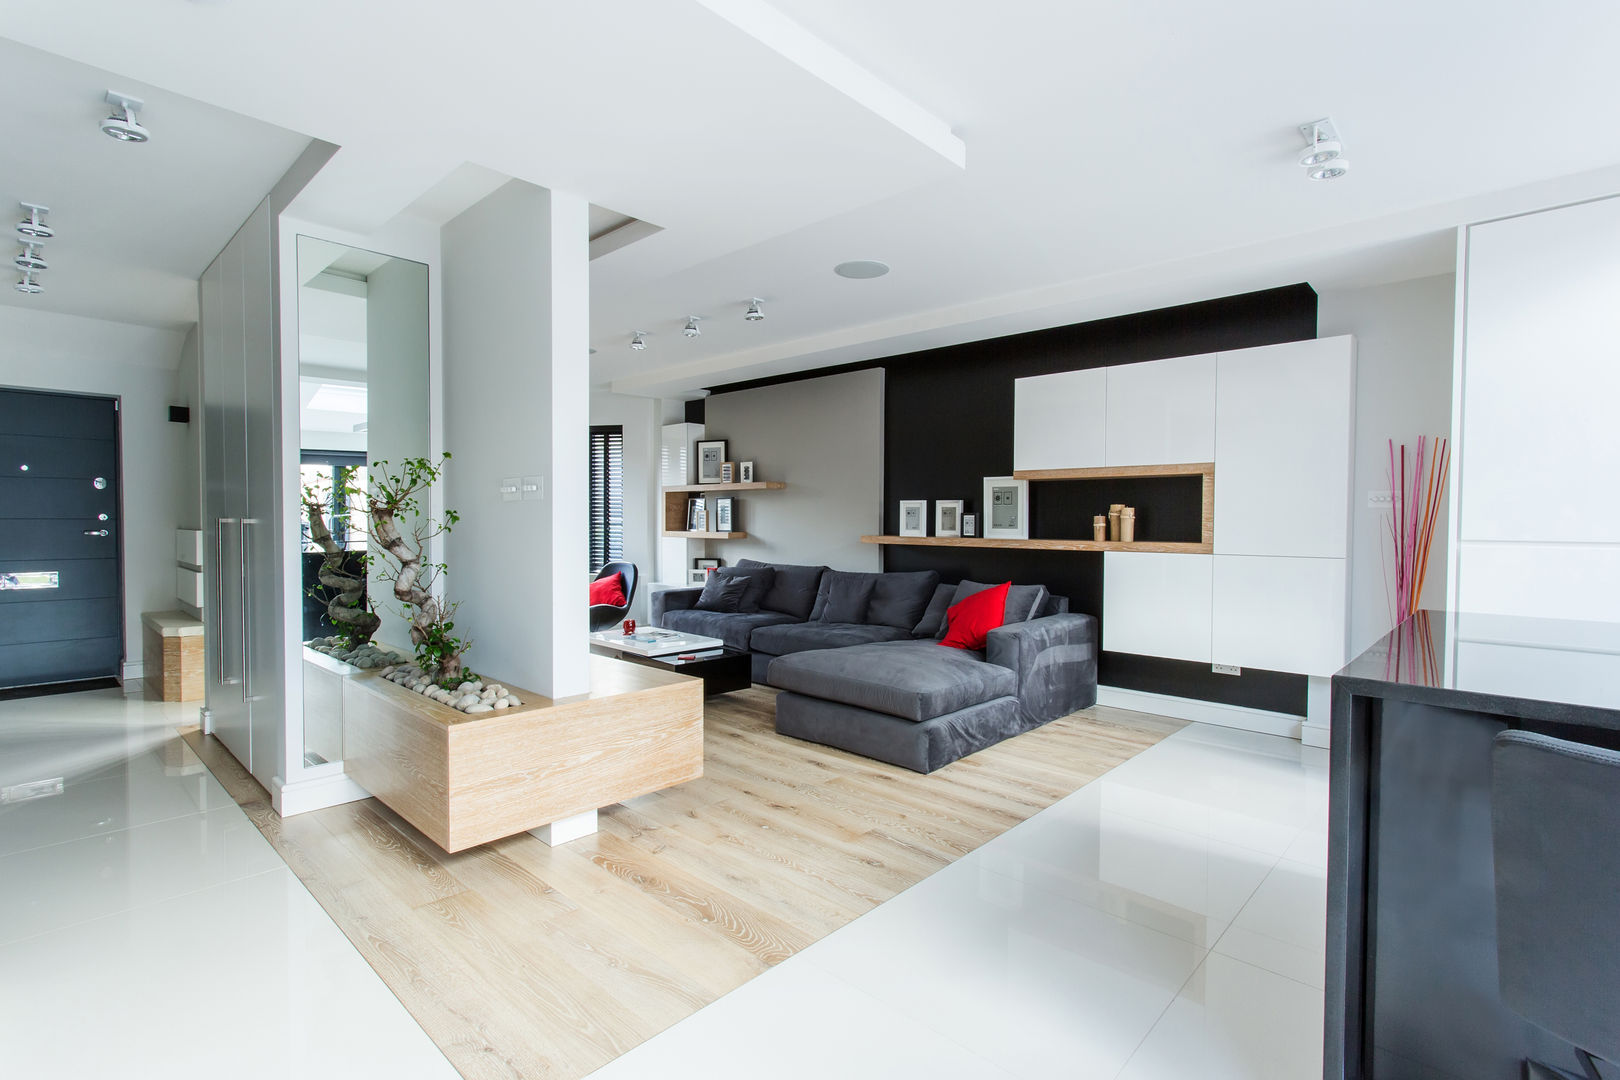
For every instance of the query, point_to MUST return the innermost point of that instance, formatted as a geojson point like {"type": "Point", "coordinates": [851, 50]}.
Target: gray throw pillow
{"type": "Point", "coordinates": [932, 624]}
{"type": "Point", "coordinates": [794, 590]}
{"type": "Point", "coordinates": [723, 594]}
{"type": "Point", "coordinates": [759, 578]}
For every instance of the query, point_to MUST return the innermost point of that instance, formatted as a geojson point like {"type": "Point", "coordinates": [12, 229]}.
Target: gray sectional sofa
{"type": "Point", "coordinates": [858, 659]}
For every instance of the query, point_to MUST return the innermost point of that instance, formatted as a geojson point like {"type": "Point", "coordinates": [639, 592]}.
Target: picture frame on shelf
{"type": "Point", "coordinates": [970, 524]}
{"type": "Point", "coordinates": [745, 471]}
{"type": "Point", "coordinates": [913, 517]}
{"type": "Point", "coordinates": [728, 472]}
{"type": "Point", "coordinates": [1006, 508]}
{"type": "Point", "coordinates": [707, 564]}
{"type": "Point", "coordinates": [711, 454]}
{"type": "Point", "coordinates": [697, 577]}
{"type": "Point", "coordinates": [948, 517]}
{"type": "Point", "coordinates": [725, 510]}
{"type": "Point", "coordinates": [697, 514]}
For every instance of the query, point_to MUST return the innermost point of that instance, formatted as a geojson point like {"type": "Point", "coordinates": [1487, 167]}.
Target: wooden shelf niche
{"type": "Point", "coordinates": [1203, 546]}
{"type": "Point", "coordinates": [675, 507]}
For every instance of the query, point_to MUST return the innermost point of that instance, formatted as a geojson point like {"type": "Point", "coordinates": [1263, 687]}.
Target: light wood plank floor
{"type": "Point", "coordinates": [522, 960]}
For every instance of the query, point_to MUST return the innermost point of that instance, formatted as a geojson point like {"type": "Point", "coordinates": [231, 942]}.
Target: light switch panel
{"type": "Point", "coordinates": [511, 489]}
{"type": "Point", "coordinates": [534, 487]}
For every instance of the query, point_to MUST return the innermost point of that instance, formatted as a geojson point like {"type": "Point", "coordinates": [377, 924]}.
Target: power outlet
{"type": "Point", "coordinates": [1380, 500]}
{"type": "Point", "coordinates": [534, 487]}
{"type": "Point", "coordinates": [511, 489]}
{"type": "Point", "coordinates": [1226, 669]}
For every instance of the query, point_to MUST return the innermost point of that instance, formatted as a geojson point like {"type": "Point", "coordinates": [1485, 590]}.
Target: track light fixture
{"type": "Point", "coordinates": [27, 284]}
{"type": "Point", "coordinates": [691, 328]}
{"type": "Point", "coordinates": [753, 314]}
{"type": "Point", "coordinates": [122, 124]}
{"type": "Point", "coordinates": [1323, 157]}
{"type": "Point", "coordinates": [33, 227]}
{"type": "Point", "coordinates": [638, 341]}
{"type": "Point", "coordinates": [30, 259]}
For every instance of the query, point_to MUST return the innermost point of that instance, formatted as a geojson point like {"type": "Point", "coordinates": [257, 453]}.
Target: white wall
{"type": "Point", "coordinates": [188, 392]}
{"type": "Point", "coordinates": [1536, 531]}
{"type": "Point", "coordinates": [517, 403]}
{"type": "Point", "coordinates": [823, 438]}
{"type": "Point", "coordinates": [1403, 390]}
{"type": "Point", "coordinates": [639, 417]}
{"type": "Point", "coordinates": [138, 365]}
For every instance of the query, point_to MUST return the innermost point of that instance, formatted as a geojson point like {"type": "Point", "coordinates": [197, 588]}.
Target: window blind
{"type": "Point", "coordinates": [607, 496]}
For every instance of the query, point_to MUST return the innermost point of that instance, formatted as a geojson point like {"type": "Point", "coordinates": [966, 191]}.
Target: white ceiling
{"type": "Point", "coordinates": [136, 225]}
{"type": "Point", "coordinates": [1104, 157]}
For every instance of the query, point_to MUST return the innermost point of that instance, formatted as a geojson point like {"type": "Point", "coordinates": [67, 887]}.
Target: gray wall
{"type": "Point", "coordinates": [824, 439]}
{"type": "Point", "coordinates": [1403, 390]}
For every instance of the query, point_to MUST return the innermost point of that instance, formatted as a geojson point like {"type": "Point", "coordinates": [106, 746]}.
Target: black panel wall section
{"type": "Point", "coordinates": [948, 423]}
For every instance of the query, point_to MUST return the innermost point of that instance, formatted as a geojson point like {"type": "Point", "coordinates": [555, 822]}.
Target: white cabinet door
{"type": "Point", "coordinates": [1162, 412]}
{"type": "Point", "coordinates": [1058, 420]}
{"type": "Point", "coordinates": [1283, 427]}
{"type": "Point", "coordinates": [1157, 605]}
{"type": "Point", "coordinates": [1279, 614]}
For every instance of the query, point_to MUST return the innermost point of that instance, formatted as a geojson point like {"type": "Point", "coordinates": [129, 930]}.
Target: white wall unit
{"type": "Point", "coordinates": [189, 587]}
{"type": "Point", "coordinates": [1536, 446]}
{"type": "Point", "coordinates": [1161, 412]}
{"type": "Point", "coordinates": [1283, 427]}
{"type": "Point", "coordinates": [1279, 613]}
{"type": "Point", "coordinates": [1158, 605]}
{"type": "Point", "coordinates": [1059, 420]}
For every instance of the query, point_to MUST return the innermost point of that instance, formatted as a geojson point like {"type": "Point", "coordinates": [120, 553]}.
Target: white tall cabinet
{"type": "Point", "coordinates": [1278, 424]}
{"type": "Point", "coordinates": [242, 500]}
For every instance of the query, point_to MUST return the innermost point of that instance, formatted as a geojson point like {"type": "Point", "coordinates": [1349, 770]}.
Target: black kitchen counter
{"type": "Point", "coordinates": [1411, 964]}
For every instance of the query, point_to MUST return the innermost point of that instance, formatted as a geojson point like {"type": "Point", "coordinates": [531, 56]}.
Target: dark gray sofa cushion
{"type": "Point", "coordinates": [843, 597]}
{"type": "Point", "coordinates": [922, 747]}
{"type": "Point", "coordinates": [899, 600]}
{"type": "Point", "coordinates": [914, 680]}
{"type": "Point", "coordinates": [932, 623]}
{"type": "Point", "coordinates": [794, 590]}
{"type": "Point", "coordinates": [759, 578]}
{"type": "Point", "coordinates": [799, 637]}
{"type": "Point", "coordinates": [732, 628]}
{"type": "Point", "coordinates": [1023, 601]}
{"type": "Point", "coordinates": [725, 595]}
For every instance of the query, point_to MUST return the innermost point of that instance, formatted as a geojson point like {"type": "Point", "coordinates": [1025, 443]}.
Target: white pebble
{"type": "Point", "coordinates": [479, 708]}
{"type": "Point", "coordinates": [503, 703]}
{"type": "Point", "coordinates": [513, 699]}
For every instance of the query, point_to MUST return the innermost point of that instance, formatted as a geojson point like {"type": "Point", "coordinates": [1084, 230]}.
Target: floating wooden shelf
{"type": "Point", "coordinates": [684, 535]}
{"type": "Point", "coordinates": [1114, 472]}
{"type": "Point", "coordinates": [755, 485]}
{"type": "Point", "coordinates": [1159, 547]}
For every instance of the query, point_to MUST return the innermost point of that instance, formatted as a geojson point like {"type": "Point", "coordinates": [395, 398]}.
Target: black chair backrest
{"type": "Point", "coordinates": [1555, 814]}
{"type": "Point", "coordinates": [628, 569]}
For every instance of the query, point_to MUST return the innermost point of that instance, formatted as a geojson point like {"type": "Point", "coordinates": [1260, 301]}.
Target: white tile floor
{"type": "Point", "coordinates": [1164, 921]}
{"type": "Point", "coordinates": [147, 929]}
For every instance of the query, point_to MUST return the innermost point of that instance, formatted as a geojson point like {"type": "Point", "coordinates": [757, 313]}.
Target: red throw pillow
{"type": "Point", "coordinates": [968, 623]}
{"type": "Point", "coordinates": [608, 590]}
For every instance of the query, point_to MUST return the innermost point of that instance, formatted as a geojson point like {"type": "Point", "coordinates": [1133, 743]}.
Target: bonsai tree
{"type": "Point", "coordinates": [343, 590]}
{"type": "Point", "coordinates": [399, 535]}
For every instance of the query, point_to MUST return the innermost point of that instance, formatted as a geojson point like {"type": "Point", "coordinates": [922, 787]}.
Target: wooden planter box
{"type": "Point", "coordinates": [466, 780]}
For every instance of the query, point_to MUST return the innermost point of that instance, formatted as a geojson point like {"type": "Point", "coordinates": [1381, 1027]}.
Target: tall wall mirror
{"type": "Point", "coordinates": [363, 397]}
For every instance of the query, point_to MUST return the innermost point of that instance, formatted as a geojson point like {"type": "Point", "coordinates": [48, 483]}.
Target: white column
{"type": "Point", "coordinates": [517, 407]}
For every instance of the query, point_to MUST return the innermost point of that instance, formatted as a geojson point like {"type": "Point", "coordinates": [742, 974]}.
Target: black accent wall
{"type": "Point", "coordinates": [948, 423]}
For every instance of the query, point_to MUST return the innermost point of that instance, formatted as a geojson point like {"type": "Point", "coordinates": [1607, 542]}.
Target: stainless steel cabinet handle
{"type": "Point", "coordinates": [219, 591]}
{"type": "Point", "coordinates": [247, 639]}
{"type": "Point", "coordinates": [95, 532]}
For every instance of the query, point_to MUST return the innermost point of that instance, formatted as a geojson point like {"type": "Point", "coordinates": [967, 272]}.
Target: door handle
{"type": "Point", "coordinates": [95, 532]}
{"type": "Point", "coordinates": [219, 591]}
{"type": "Point", "coordinates": [247, 632]}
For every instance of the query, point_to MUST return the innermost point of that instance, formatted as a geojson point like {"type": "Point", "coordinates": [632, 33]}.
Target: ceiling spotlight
{"type": "Point", "coordinates": [1329, 170]}
{"type": "Point", "coordinates": [122, 124]}
{"type": "Point", "coordinates": [1323, 156]}
{"type": "Point", "coordinates": [861, 268]}
{"type": "Point", "coordinates": [33, 227]}
{"type": "Point", "coordinates": [691, 327]}
{"type": "Point", "coordinates": [753, 314]}
{"type": "Point", "coordinates": [638, 341]}
{"type": "Point", "coordinates": [28, 285]}
{"type": "Point", "coordinates": [30, 259]}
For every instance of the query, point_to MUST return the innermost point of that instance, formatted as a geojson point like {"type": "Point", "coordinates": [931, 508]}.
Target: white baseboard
{"type": "Point", "coordinates": [1314, 734]}
{"type": "Point", "coordinates": [1203, 712]}
{"type": "Point", "coordinates": [132, 669]}
{"type": "Point", "coordinates": [316, 793]}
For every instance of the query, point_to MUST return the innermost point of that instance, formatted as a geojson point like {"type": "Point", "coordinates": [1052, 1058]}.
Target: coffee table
{"type": "Point", "coordinates": [721, 669]}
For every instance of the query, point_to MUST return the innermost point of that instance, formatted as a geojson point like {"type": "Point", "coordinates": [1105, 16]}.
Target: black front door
{"type": "Point", "coordinates": [61, 614]}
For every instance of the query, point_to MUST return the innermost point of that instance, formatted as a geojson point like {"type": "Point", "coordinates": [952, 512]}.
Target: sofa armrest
{"type": "Point", "coordinates": [671, 600]}
{"type": "Point", "coordinates": [1055, 659]}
